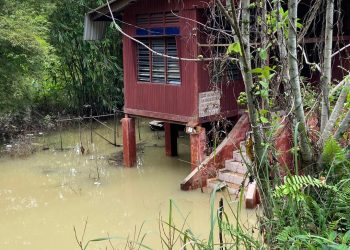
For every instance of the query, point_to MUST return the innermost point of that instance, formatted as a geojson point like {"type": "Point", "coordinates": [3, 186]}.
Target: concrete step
{"type": "Point", "coordinates": [231, 177]}
{"type": "Point", "coordinates": [252, 198]}
{"type": "Point", "coordinates": [251, 195]}
{"type": "Point", "coordinates": [236, 167]}
{"type": "Point", "coordinates": [242, 146]}
{"type": "Point", "coordinates": [236, 156]}
{"type": "Point", "coordinates": [233, 189]}
{"type": "Point", "coordinates": [215, 183]}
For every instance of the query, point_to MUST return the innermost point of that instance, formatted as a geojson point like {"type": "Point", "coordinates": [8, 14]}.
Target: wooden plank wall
{"type": "Point", "coordinates": [163, 101]}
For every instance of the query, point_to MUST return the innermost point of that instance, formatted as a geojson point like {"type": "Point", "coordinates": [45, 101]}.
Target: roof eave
{"type": "Point", "coordinates": [103, 11]}
{"type": "Point", "coordinates": [96, 21]}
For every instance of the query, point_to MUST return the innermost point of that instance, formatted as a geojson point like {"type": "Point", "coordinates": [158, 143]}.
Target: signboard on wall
{"type": "Point", "coordinates": [209, 103]}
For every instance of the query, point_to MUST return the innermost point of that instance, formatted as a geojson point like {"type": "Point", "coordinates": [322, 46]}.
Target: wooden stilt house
{"type": "Point", "coordinates": [181, 91]}
{"type": "Point", "coordinates": [173, 90]}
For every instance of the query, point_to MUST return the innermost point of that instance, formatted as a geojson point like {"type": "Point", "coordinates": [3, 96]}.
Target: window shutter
{"type": "Point", "coordinates": [143, 62]}
{"type": "Point", "coordinates": [156, 18]}
{"type": "Point", "coordinates": [170, 18]}
{"type": "Point", "coordinates": [156, 68]}
{"type": "Point", "coordinates": [158, 62]}
{"type": "Point", "coordinates": [173, 71]}
{"type": "Point", "coordinates": [142, 19]}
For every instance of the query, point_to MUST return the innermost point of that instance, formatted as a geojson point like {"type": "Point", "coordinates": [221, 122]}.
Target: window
{"type": "Point", "coordinates": [143, 62]}
{"type": "Point", "coordinates": [158, 69]}
{"type": "Point", "coordinates": [233, 72]}
{"type": "Point", "coordinates": [223, 71]}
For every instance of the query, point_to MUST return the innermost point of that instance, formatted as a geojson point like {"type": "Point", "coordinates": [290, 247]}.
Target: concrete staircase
{"type": "Point", "coordinates": [234, 177]}
{"type": "Point", "coordinates": [216, 160]}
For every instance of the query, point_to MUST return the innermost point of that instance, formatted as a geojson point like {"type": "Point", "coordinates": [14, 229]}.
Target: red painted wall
{"type": "Point", "coordinates": [230, 90]}
{"type": "Point", "coordinates": [177, 103]}
{"type": "Point", "coordinates": [163, 101]}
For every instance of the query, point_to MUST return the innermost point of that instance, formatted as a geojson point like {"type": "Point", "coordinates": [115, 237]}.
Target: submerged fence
{"type": "Point", "coordinates": [91, 119]}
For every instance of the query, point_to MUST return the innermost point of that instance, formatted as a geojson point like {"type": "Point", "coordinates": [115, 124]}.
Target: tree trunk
{"type": "Point", "coordinates": [335, 114]}
{"type": "Point", "coordinates": [344, 125]}
{"type": "Point", "coordinates": [263, 181]}
{"type": "Point", "coordinates": [242, 34]}
{"type": "Point", "coordinates": [245, 60]}
{"type": "Point", "coordinates": [306, 152]}
{"type": "Point", "coordinates": [282, 47]}
{"type": "Point", "coordinates": [252, 107]}
{"type": "Point", "coordinates": [327, 64]}
{"type": "Point", "coordinates": [264, 45]}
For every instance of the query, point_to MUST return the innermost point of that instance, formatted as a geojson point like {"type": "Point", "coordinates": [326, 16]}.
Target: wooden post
{"type": "Point", "coordinates": [61, 137]}
{"type": "Point", "coordinates": [129, 141]}
{"type": "Point", "coordinates": [90, 124]}
{"type": "Point", "coordinates": [171, 134]}
{"type": "Point", "coordinates": [79, 121]}
{"type": "Point", "coordinates": [116, 116]}
{"type": "Point", "coordinates": [115, 128]}
{"type": "Point", "coordinates": [60, 132]}
{"type": "Point", "coordinates": [220, 212]}
{"type": "Point", "coordinates": [138, 128]}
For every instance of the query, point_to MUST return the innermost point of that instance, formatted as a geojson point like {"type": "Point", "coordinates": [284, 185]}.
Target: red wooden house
{"type": "Point", "coordinates": [175, 91]}
{"type": "Point", "coordinates": [181, 91]}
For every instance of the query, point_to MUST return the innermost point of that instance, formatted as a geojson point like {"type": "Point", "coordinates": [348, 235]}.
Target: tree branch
{"type": "Point", "coordinates": [344, 125]}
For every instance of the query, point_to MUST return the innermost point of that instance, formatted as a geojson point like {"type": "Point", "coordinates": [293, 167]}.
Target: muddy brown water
{"type": "Point", "coordinates": [43, 196]}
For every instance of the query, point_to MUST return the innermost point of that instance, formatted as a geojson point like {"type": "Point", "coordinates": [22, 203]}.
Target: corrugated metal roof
{"type": "Point", "coordinates": [94, 30]}
{"type": "Point", "coordinates": [97, 20]}
{"type": "Point", "coordinates": [102, 6]}
{"type": "Point", "coordinates": [103, 10]}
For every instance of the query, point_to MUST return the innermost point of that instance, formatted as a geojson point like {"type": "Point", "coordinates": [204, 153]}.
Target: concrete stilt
{"type": "Point", "coordinates": [171, 134]}
{"type": "Point", "coordinates": [129, 141]}
{"type": "Point", "coordinates": [198, 142]}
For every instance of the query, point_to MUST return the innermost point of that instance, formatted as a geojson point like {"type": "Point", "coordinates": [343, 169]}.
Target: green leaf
{"type": "Point", "coordinates": [264, 93]}
{"type": "Point", "coordinates": [263, 112]}
{"type": "Point", "coordinates": [257, 71]}
{"type": "Point", "coordinates": [263, 54]}
{"type": "Point", "coordinates": [264, 73]}
{"type": "Point", "coordinates": [234, 48]}
{"type": "Point", "coordinates": [332, 235]}
{"type": "Point", "coordinates": [346, 237]}
{"type": "Point", "coordinates": [264, 120]}
{"type": "Point", "coordinates": [265, 84]}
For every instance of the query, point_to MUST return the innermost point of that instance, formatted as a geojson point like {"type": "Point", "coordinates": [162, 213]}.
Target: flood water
{"type": "Point", "coordinates": [43, 196]}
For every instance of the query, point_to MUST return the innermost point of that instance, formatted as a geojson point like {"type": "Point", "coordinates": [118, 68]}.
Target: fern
{"type": "Point", "coordinates": [293, 186]}
{"type": "Point", "coordinates": [338, 207]}
{"type": "Point", "coordinates": [286, 234]}
{"type": "Point", "coordinates": [331, 151]}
